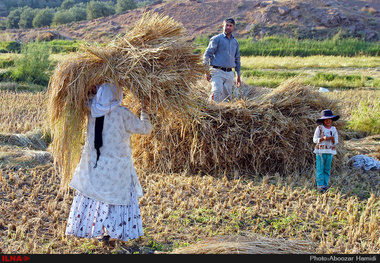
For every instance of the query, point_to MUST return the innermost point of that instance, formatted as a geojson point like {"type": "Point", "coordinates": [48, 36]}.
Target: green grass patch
{"type": "Point", "coordinates": [10, 47]}
{"type": "Point", "coordinates": [56, 46]}
{"type": "Point", "coordinates": [320, 62]}
{"type": "Point", "coordinates": [334, 80]}
{"type": "Point", "coordinates": [269, 74]}
{"type": "Point", "coordinates": [365, 118]}
{"type": "Point", "coordinates": [33, 65]}
{"type": "Point", "coordinates": [266, 78]}
{"type": "Point", "coordinates": [22, 87]}
{"type": "Point", "coordinates": [6, 62]}
{"type": "Point", "coordinates": [288, 46]}
{"type": "Point", "coordinates": [63, 46]}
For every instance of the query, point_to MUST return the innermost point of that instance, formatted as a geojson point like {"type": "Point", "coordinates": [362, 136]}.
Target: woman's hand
{"type": "Point", "coordinates": [208, 76]}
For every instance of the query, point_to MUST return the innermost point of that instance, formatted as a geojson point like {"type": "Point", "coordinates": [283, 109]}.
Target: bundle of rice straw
{"type": "Point", "coordinates": [266, 134]}
{"type": "Point", "coordinates": [253, 244]}
{"type": "Point", "coordinates": [154, 63]}
{"type": "Point", "coordinates": [32, 140]}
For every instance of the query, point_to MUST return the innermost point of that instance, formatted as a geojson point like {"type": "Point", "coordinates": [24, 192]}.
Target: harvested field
{"type": "Point", "coordinates": [179, 209]}
{"type": "Point", "coordinates": [21, 112]}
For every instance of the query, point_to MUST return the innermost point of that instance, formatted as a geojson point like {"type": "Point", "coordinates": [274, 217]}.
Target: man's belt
{"type": "Point", "coordinates": [224, 69]}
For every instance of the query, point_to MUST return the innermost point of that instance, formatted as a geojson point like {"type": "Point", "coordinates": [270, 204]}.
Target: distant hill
{"type": "Point", "coordinates": [255, 18]}
{"type": "Point", "coordinates": [7, 5]}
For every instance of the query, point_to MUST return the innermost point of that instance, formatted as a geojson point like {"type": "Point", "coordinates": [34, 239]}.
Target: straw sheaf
{"type": "Point", "coordinates": [154, 62]}
{"type": "Point", "coordinates": [269, 133]}
{"type": "Point", "coordinates": [253, 244]}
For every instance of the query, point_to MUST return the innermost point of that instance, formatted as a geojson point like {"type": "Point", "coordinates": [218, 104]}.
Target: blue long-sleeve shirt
{"type": "Point", "coordinates": [223, 52]}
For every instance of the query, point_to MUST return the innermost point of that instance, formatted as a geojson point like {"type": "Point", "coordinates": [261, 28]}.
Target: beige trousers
{"type": "Point", "coordinates": [221, 85]}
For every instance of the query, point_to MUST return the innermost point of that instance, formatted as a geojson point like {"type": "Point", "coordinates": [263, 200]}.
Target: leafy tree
{"type": "Point", "coordinates": [35, 4]}
{"type": "Point", "coordinates": [123, 5]}
{"type": "Point", "coordinates": [29, 13]}
{"type": "Point", "coordinates": [67, 4]}
{"type": "Point", "coordinates": [97, 9]}
{"type": "Point", "coordinates": [14, 18]}
{"type": "Point", "coordinates": [26, 18]}
{"type": "Point", "coordinates": [3, 24]}
{"type": "Point", "coordinates": [79, 12]}
{"type": "Point", "coordinates": [63, 17]}
{"type": "Point", "coordinates": [28, 3]}
{"type": "Point", "coordinates": [3, 10]}
{"type": "Point", "coordinates": [44, 17]}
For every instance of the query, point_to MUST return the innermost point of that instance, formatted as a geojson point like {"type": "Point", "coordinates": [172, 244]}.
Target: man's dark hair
{"type": "Point", "coordinates": [229, 20]}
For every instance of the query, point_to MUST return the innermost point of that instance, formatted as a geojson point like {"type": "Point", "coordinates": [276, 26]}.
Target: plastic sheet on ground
{"type": "Point", "coordinates": [365, 162]}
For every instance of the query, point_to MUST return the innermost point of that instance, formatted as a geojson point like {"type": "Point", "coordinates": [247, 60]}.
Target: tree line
{"type": "Point", "coordinates": [36, 13]}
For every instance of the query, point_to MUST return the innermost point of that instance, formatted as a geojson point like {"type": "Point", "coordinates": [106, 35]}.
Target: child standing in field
{"type": "Point", "coordinates": [326, 138]}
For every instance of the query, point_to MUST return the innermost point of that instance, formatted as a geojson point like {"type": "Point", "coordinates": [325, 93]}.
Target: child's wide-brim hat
{"type": "Point", "coordinates": [327, 114]}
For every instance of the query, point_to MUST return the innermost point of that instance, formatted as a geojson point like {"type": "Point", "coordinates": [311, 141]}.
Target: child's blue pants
{"type": "Point", "coordinates": [323, 168]}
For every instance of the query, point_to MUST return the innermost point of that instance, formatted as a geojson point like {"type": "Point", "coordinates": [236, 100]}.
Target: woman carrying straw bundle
{"type": "Point", "coordinates": [106, 183]}
{"type": "Point", "coordinates": [153, 63]}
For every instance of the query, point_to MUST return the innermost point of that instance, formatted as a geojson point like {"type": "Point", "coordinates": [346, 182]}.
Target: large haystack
{"type": "Point", "coordinates": [154, 62]}
{"type": "Point", "coordinates": [269, 133]}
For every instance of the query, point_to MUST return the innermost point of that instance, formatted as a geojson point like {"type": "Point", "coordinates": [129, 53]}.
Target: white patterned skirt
{"type": "Point", "coordinates": [92, 219]}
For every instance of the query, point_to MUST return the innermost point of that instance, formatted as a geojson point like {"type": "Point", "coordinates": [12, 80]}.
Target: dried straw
{"type": "Point", "coordinates": [253, 244]}
{"type": "Point", "coordinates": [153, 62]}
{"type": "Point", "coordinates": [269, 133]}
{"type": "Point", "coordinates": [32, 140]}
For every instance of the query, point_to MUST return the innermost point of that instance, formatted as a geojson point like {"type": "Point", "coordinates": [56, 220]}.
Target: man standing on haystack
{"type": "Point", "coordinates": [222, 54]}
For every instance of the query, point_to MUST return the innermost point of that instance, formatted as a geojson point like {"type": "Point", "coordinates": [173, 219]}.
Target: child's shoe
{"type": "Point", "coordinates": [322, 188]}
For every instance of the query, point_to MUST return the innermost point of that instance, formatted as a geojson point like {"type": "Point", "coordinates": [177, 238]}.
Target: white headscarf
{"type": "Point", "coordinates": [107, 98]}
